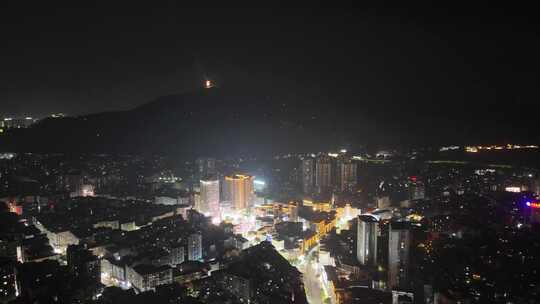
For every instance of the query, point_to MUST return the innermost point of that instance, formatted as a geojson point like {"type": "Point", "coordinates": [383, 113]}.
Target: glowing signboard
{"type": "Point", "coordinates": [535, 205]}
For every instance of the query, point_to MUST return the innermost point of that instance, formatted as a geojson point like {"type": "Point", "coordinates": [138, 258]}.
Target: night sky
{"type": "Point", "coordinates": [459, 65]}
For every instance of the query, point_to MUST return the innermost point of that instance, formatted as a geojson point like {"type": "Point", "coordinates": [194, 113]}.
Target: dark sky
{"type": "Point", "coordinates": [460, 63]}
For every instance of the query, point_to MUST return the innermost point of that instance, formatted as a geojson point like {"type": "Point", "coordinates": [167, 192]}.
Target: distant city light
{"type": "Point", "coordinates": [474, 149]}
{"type": "Point", "coordinates": [259, 182]}
{"type": "Point", "coordinates": [343, 150]}
{"type": "Point", "coordinates": [7, 155]}
{"type": "Point", "coordinates": [333, 154]}
{"type": "Point", "coordinates": [484, 171]}
{"type": "Point", "coordinates": [383, 154]}
{"type": "Point", "coordinates": [208, 84]}
{"type": "Point", "coordinates": [442, 149]}
{"type": "Point", "coordinates": [513, 189]}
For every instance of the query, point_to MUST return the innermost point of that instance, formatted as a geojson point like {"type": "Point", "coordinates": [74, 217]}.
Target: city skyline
{"type": "Point", "coordinates": [153, 152]}
{"type": "Point", "coordinates": [392, 228]}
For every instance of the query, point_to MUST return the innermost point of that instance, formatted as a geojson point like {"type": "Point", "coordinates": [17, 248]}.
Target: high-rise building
{"type": "Point", "coordinates": [417, 190]}
{"type": "Point", "coordinates": [195, 247]}
{"type": "Point", "coordinates": [536, 187]}
{"type": "Point", "coordinates": [176, 255]}
{"type": "Point", "coordinates": [323, 174]}
{"type": "Point", "coordinates": [206, 167]}
{"type": "Point", "coordinates": [399, 241]}
{"type": "Point", "coordinates": [239, 191]}
{"type": "Point", "coordinates": [308, 175]}
{"type": "Point", "coordinates": [209, 199]}
{"type": "Point", "coordinates": [346, 175]}
{"type": "Point", "coordinates": [83, 264]}
{"type": "Point", "coordinates": [366, 245]}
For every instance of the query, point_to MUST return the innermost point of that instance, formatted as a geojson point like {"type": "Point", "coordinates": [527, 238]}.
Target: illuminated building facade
{"type": "Point", "coordinates": [147, 277]}
{"type": "Point", "coordinates": [308, 175]}
{"type": "Point", "coordinates": [195, 247]}
{"type": "Point", "coordinates": [323, 174]}
{"type": "Point", "coordinates": [346, 175]}
{"type": "Point", "coordinates": [239, 191]}
{"type": "Point", "coordinates": [323, 227]}
{"type": "Point", "coordinates": [366, 247]}
{"type": "Point", "coordinates": [318, 204]}
{"type": "Point", "coordinates": [209, 200]}
{"type": "Point", "coordinates": [310, 239]}
{"type": "Point", "coordinates": [399, 241]}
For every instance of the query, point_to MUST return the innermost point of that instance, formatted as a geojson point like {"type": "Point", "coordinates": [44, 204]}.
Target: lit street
{"type": "Point", "coordinates": [312, 279]}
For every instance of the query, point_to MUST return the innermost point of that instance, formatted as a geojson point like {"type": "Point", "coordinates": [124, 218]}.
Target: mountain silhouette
{"type": "Point", "coordinates": [217, 121]}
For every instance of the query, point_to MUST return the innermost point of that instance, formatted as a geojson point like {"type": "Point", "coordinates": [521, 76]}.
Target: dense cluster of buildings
{"type": "Point", "coordinates": [415, 238]}
{"type": "Point", "coordinates": [326, 227]}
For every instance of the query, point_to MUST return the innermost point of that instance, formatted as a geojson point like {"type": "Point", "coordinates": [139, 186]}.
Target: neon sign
{"type": "Point", "coordinates": [535, 205]}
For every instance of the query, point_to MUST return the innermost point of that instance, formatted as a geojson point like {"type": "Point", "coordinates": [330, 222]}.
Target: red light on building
{"type": "Point", "coordinates": [535, 211]}
{"type": "Point", "coordinates": [413, 178]}
{"type": "Point", "coordinates": [15, 208]}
